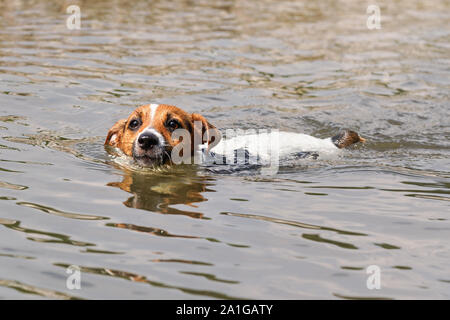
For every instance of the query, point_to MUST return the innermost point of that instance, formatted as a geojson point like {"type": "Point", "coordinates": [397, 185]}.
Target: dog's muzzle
{"type": "Point", "coordinates": [147, 141]}
{"type": "Point", "coordinates": [148, 148]}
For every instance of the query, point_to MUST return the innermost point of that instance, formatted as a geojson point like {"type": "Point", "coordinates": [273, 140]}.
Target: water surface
{"type": "Point", "coordinates": [185, 233]}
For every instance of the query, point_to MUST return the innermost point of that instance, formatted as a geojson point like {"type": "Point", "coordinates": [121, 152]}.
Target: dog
{"type": "Point", "coordinates": [154, 134]}
{"type": "Point", "coordinates": [161, 193]}
{"type": "Point", "coordinates": [147, 134]}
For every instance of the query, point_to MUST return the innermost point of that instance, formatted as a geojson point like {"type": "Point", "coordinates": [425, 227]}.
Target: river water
{"type": "Point", "coordinates": [310, 231]}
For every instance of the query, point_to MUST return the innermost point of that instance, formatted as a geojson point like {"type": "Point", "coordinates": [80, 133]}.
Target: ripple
{"type": "Point", "coordinates": [149, 230]}
{"type": "Point", "coordinates": [360, 297]}
{"type": "Point", "coordinates": [7, 198]}
{"type": "Point", "coordinates": [292, 223]}
{"type": "Point", "coordinates": [12, 186]}
{"type": "Point", "coordinates": [142, 279]}
{"type": "Point", "coordinates": [200, 263]}
{"type": "Point", "coordinates": [209, 277]}
{"type": "Point", "coordinates": [16, 256]}
{"type": "Point", "coordinates": [29, 289]}
{"type": "Point", "coordinates": [7, 170]}
{"type": "Point", "coordinates": [402, 267]}
{"type": "Point", "coordinates": [387, 246]}
{"type": "Point", "coordinates": [53, 237]}
{"type": "Point", "coordinates": [352, 268]}
{"type": "Point", "coordinates": [318, 238]}
{"type": "Point", "coordinates": [60, 213]}
{"type": "Point", "coordinates": [90, 250]}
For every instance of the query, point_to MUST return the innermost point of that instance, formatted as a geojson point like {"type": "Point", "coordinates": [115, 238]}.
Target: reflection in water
{"type": "Point", "coordinates": [318, 238]}
{"type": "Point", "coordinates": [352, 268]}
{"type": "Point", "coordinates": [402, 267]}
{"type": "Point", "coordinates": [200, 263]}
{"type": "Point", "coordinates": [140, 278]}
{"type": "Point", "coordinates": [16, 256]}
{"type": "Point", "coordinates": [440, 188]}
{"type": "Point", "coordinates": [293, 223]}
{"type": "Point", "coordinates": [387, 246]}
{"type": "Point", "coordinates": [209, 277]}
{"type": "Point", "coordinates": [7, 185]}
{"type": "Point", "coordinates": [54, 237]}
{"type": "Point", "coordinates": [8, 170]}
{"type": "Point", "coordinates": [54, 141]}
{"type": "Point", "coordinates": [60, 213]}
{"type": "Point", "coordinates": [360, 298]}
{"type": "Point", "coordinates": [149, 230]}
{"type": "Point", "coordinates": [312, 237]}
{"type": "Point", "coordinates": [90, 250]}
{"type": "Point", "coordinates": [158, 191]}
{"type": "Point", "coordinates": [25, 288]}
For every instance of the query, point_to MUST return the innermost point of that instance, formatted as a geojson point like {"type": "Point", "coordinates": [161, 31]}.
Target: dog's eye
{"type": "Point", "coordinates": [173, 124]}
{"type": "Point", "coordinates": [134, 124]}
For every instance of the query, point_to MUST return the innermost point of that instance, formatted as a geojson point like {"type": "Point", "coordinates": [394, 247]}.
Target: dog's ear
{"type": "Point", "coordinates": [210, 133]}
{"type": "Point", "coordinates": [115, 132]}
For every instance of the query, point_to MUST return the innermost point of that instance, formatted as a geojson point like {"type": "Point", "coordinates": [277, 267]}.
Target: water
{"type": "Point", "coordinates": [185, 233]}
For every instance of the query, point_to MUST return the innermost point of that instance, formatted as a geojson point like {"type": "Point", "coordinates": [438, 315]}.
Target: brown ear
{"type": "Point", "coordinates": [210, 133]}
{"type": "Point", "coordinates": [345, 138]}
{"type": "Point", "coordinates": [115, 133]}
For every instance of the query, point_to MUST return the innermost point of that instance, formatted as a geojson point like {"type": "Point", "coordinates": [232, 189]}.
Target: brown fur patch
{"type": "Point", "coordinates": [122, 137]}
{"type": "Point", "coordinates": [346, 138]}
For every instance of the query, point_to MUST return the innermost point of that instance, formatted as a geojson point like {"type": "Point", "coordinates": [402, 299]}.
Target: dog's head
{"type": "Point", "coordinates": [151, 133]}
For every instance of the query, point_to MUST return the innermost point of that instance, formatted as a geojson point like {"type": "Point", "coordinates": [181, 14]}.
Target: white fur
{"type": "Point", "coordinates": [113, 138]}
{"type": "Point", "coordinates": [153, 108]}
{"type": "Point", "coordinates": [283, 143]}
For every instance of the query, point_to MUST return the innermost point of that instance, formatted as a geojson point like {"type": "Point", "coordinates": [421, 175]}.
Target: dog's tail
{"type": "Point", "coordinates": [346, 138]}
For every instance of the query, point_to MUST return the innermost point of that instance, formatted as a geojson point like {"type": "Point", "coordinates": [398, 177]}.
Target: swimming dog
{"type": "Point", "coordinates": [155, 134]}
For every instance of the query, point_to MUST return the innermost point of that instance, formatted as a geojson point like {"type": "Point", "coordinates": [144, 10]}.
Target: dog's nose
{"type": "Point", "coordinates": [147, 141]}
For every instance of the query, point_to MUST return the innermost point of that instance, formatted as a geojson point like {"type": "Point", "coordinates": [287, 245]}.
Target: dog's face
{"type": "Point", "coordinates": [147, 134]}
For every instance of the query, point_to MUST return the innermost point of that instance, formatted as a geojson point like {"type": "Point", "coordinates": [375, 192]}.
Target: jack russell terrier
{"type": "Point", "coordinates": [157, 134]}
